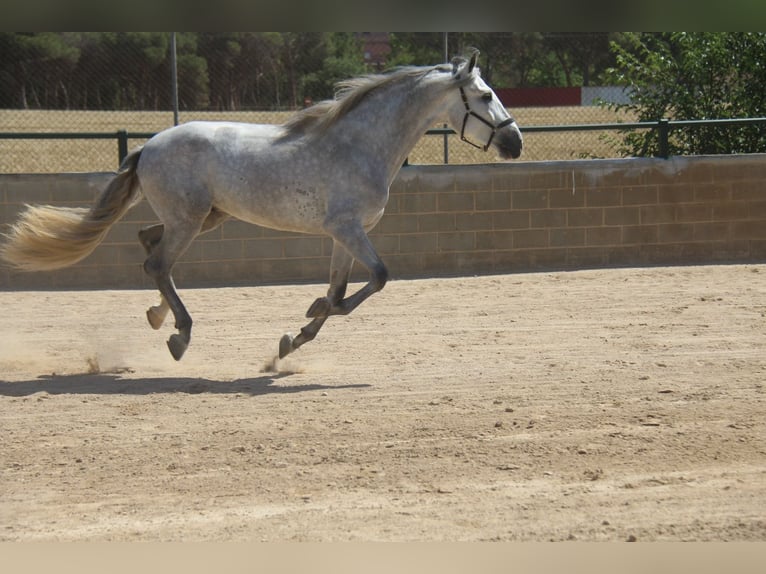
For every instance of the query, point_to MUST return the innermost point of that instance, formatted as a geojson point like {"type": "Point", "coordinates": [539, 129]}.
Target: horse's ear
{"type": "Point", "coordinates": [474, 59]}
{"type": "Point", "coordinates": [456, 65]}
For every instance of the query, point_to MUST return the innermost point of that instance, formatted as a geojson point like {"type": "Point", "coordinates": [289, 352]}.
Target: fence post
{"type": "Point", "coordinates": [664, 133]}
{"type": "Point", "coordinates": [174, 76]}
{"type": "Point", "coordinates": [446, 61]}
{"type": "Point", "coordinates": [122, 145]}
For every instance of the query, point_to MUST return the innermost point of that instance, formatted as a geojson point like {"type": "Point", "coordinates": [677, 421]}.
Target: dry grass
{"type": "Point", "coordinates": [50, 156]}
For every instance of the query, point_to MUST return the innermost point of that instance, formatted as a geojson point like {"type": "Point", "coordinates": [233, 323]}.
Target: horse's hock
{"type": "Point", "coordinates": [455, 220]}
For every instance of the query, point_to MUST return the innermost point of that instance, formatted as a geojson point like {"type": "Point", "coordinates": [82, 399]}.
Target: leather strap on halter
{"type": "Point", "coordinates": [469, 112]}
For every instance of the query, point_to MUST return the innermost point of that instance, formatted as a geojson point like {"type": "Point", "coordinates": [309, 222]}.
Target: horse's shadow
{"type": "Point", "coordinates": [114, 384]}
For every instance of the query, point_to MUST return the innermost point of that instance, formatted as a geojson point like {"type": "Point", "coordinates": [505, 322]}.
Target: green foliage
{"type": "Point", "coordinates": [193, 77]}
{"type": "Point", "coordinates": [582, 57]}
{"type": "Point", "coordinates": [689, 76]}
{"type": "Point", "coordinates": [417, 48]}
{"type": "Point", "coordinates": [341, 59]}
{"type": "Point", "coordinates": [35, 67]}
{"type": "Point", "coordinates": [261, 70]}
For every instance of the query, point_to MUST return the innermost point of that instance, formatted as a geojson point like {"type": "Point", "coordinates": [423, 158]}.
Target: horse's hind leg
{"type": "Point", "coordinates": [340, 269]}
{"type": "Point", "coordinates": [150, 237]}
{"type": "Point", "coordinates": [159, 265]}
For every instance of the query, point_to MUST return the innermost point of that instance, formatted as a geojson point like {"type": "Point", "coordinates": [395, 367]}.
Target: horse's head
{"type": "Point", "coordinates": [478, 114]}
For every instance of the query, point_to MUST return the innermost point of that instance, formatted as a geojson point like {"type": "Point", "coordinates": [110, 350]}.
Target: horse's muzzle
{"type": "Point", "coordinates": [508, 142]}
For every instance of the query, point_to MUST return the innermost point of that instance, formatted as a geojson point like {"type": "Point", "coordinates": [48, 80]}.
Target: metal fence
{"type": "Point", "coordinates": [47, 141]}
{"type": "Point", "coordinates": [439, 145]}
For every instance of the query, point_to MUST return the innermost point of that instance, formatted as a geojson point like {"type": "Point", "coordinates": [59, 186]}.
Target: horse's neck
{"type": "Point", "coordinates": [394, 122]}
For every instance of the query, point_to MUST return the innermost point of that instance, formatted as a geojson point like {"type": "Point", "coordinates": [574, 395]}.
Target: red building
{"type": "Point", "coordinates": [376, 48]}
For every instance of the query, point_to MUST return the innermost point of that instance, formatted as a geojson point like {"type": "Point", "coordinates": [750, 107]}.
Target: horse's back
{"type": "Point", "coordinates": [249, 171]}
{"type": "Point", "coordinates": [194, 141]}
{"type": "Point", "coordinates": [209, 154]}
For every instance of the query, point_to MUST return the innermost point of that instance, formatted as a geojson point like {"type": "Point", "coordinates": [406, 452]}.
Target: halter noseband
{"type": "Point", "coordinates": [469, 112]}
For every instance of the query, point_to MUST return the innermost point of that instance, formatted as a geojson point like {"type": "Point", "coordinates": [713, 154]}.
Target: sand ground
{"type": "Point", "coordinates": [622, 404]}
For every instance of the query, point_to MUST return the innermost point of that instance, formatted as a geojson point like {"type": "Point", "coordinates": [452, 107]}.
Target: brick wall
{"type": "Point", "coordinates": [451, 220]}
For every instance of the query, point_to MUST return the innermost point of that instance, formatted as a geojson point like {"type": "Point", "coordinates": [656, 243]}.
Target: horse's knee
{"type": "Point", "coordinates": [379, 276]}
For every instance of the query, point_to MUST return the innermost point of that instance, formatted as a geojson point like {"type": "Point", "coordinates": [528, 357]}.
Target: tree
{"type": "Point", "coordinates": [221, 52]}
{"type": "Point", "coordinates": [342, 59]}
{"type": "Point", "coordinates": [36, 68]}
{"type": "Point", "coordinates": [417, 49]}
{"type": "Point", "coordinates": [693, 75]}
{"type": "Point", "coordinates": [582, 56]}
{"type": "Point", "coordinates": [302, 53]}
{"type": "Point", "coordinates": [193, 82]}
{"type": "Point", "coordinates": [525, 58]}
{"type": "Point", "coordinates": [516, 59]}
{"type": "Point", "coordinates": [142, 65]}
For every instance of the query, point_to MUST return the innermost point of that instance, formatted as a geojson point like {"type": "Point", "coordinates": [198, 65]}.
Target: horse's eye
{"type": "Point", "coordinates": [487, 96]}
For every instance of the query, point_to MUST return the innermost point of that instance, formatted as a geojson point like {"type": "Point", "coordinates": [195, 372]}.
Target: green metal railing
{"type": "Point", "coordinates": [664, 127]}
{"type": "Point", "coordinates": [122, 137]}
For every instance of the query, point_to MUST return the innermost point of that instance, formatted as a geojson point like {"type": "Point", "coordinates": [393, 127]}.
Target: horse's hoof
{"type": "Point", "coordinates": [155, 317]}
{"type": "Point", "coordinates": [319, 308]}
{"type": "Point", "coordinates": [177, 346]}
{"type": "Point", "coordinates": [285, 345]}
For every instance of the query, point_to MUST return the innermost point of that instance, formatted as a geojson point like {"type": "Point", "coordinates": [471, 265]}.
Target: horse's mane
{"type": "Point", "coordinates": [348, 94]}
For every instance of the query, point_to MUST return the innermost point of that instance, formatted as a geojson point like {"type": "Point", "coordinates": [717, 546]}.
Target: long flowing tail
{"type": "Point", "coordinates": [47, 237]}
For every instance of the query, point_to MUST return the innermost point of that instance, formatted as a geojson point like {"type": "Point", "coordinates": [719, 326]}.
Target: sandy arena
{"type": "Point", "coordinates": [623, 404]}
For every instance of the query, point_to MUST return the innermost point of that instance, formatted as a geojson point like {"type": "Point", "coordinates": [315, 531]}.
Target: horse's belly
{"type": "Point", "coordinates": [298, 210]}
{"type": "Point", "coordinates": [283, 192]}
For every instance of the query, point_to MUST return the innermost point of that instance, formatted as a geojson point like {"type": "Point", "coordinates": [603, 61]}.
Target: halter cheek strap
{"type": "Point", "coordinates": [469, 112]}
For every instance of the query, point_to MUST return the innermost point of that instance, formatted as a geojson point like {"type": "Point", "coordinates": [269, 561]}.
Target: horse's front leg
{"type": "Point", "coordinates": [358, 244]}
{"type": "Point", "coordinates": [340, 269]}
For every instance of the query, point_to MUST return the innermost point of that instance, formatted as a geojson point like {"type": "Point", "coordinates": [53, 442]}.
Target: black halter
{"type": "Point", "coordinates": [469, 112]}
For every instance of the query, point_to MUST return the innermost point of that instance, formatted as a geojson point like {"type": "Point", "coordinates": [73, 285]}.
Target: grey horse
{"type": "Point", "coordinates": [326, 171]}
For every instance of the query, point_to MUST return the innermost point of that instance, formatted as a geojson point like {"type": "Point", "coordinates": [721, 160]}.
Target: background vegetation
{"type": "Point", "coordinates": [693, 76]}
{"type": "Point", "coordinates": [104, 81]}
{"type": "Point", "coordinates": [263, 70]}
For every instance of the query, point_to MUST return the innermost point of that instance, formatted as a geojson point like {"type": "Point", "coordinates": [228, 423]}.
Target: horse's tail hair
{"type": "Point", "coordinates": [48, 237]}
